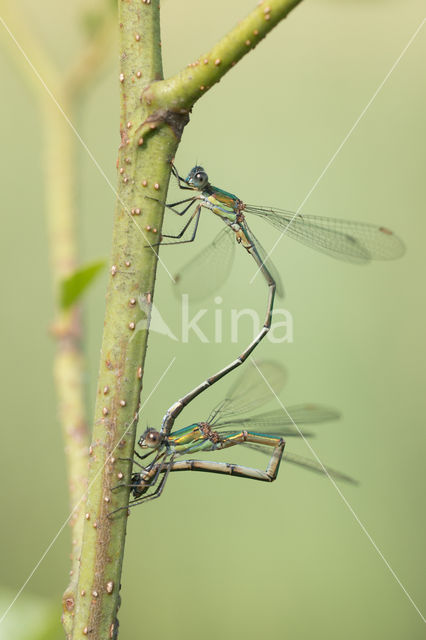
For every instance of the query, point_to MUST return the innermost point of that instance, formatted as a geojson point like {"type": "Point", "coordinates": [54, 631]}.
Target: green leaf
{"type": "Point", "coordinates": [72, 287]}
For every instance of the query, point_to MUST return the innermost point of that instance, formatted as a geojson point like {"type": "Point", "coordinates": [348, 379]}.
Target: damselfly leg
{"type": "Point", "coordinates": [196, 215]}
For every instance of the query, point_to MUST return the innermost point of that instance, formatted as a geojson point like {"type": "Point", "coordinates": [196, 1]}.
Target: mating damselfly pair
{"type": "Point", "coordinates": [226, 427]}
{"type": "Point", "coordinates": [355, 242]}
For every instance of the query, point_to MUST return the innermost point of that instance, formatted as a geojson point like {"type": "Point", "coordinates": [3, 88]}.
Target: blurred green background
{"type": "Point", "coordinates": [216, 556]}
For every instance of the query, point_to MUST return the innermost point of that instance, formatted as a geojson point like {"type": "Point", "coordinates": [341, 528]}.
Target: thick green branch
{"type": "Point", "coordinates": [140, 59]}
{"type": "Point", "coordinates": [150, 132]}
{"type": "Point", "coordinates": [143, 171]}
{"type": "Point", "coordinates": [182, 91]}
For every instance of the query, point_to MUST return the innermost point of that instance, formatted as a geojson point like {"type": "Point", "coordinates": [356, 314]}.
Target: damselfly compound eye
{"type": "Point", "coordinates": [201, 179]}
{"type": "Point", "coordinates": [197, 177]}
{"type": "Point", "coordinates": [151, 438]}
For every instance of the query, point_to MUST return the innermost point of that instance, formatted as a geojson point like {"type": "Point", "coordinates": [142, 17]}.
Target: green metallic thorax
{"type": "Point", "coordinates": [225, 204]}
{"type": "Point", "coordinates": [228, 207]}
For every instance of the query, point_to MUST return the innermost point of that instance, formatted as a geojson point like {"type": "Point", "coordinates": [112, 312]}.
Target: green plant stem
{"type": "Point", "coordinates": [179, 93]}
{"type": "Point", "coordinates": [59, 150]}
{"type": "Point", "coordinates": [147, 146]}
{"type": "Point", "coordinates": [69, 360]}
{"type": "Point", "coordinates": [91, 58]}
{"type": "Point", "coordinates": [132, 277]}
{"type": "Point", "coordinates": [150, 132]}
{"type": "Point", "coordinates": [153, 115]}
{"type": "Point", "coordinates": [68, 363]}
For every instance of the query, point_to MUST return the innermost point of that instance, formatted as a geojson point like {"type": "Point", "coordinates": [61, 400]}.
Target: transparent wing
{"type": "Point", "coordinates": [205, 273]}
{"type": "Point", "coordinates": [306, 463]}
{"type": "Point", "coordinates": [250, 390]}
{"type": "Point", "coordinates": [312, 465]}
{"type": "Point", "coordinates": [268, 263]}
{"type": "Point", "coordinates": [353, 241]}
{"type": "Point", "coordinates": [278, 422]}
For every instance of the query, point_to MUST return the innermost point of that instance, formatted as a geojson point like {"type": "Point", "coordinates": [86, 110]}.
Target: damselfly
{"type": "Point", "coordinates": [225, 427]}
{"type": "Point", "coordinates": [356, 242]}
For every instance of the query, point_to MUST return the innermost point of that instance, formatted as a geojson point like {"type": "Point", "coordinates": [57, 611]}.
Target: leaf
{"type": "Point", "coordinates": [72, 287]}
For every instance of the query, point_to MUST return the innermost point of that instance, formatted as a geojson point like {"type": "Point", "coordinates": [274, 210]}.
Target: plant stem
{"type": "Point", "coordinates": [68, 365]}
{"type": "Point", "coordinates": [69, 361]}
{"type": "Point", "coordinates": [91, 58]}
{"type": "Point", "coordinates": [150, 132]}
{"type": "Point", "coordinates": [153, 115]}
{"type": "Point", "coordinates": [123, 348]}
{"type": "Point", "coordinates": [179, 93]}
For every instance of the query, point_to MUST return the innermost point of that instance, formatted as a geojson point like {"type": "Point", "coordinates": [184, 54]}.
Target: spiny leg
{"type": "Point", "coordinates": [146, 455]}
{"type": "Point", "coordinates": [140, 485]}
{"type": "Point", "coordinates": [180, 234]}
{"type": "Point", "coordinates": [151, 479]}
{"type": "Point", "coordinates": [195, 215]}
{"type": "Point", "coordinates": [123, 484]}
{"type": "Point", "coordinates": [158, 454]}
{"type": "Point", "coordinates": [181, 182]}
{"type": "Point", "coordinates": [171, 205]}
{"type": "Point", "coordinates": [138, 464]}
{"type": "Point", "coordinates": [160, 468]}
{"type": "Point", "coordinates": [145, 470]}
{"type": "Point", "coordinates": [155, 494]}
{"type": "Point", "coordinates": [132, 486]}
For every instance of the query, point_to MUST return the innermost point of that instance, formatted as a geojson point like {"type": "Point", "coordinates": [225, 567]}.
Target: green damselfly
{"type": "Point", "coordinates": [225, 427]}
{"type": "Point", "coordinates": [353, 241]}
{"type": "Point", "coordinates": [356, 242]}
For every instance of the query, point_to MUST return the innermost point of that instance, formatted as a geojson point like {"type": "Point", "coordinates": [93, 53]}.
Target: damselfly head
{"type": "Point", "coordinates": [197, 178]}
{"type": "Point", "coordinates": [150, 439]}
